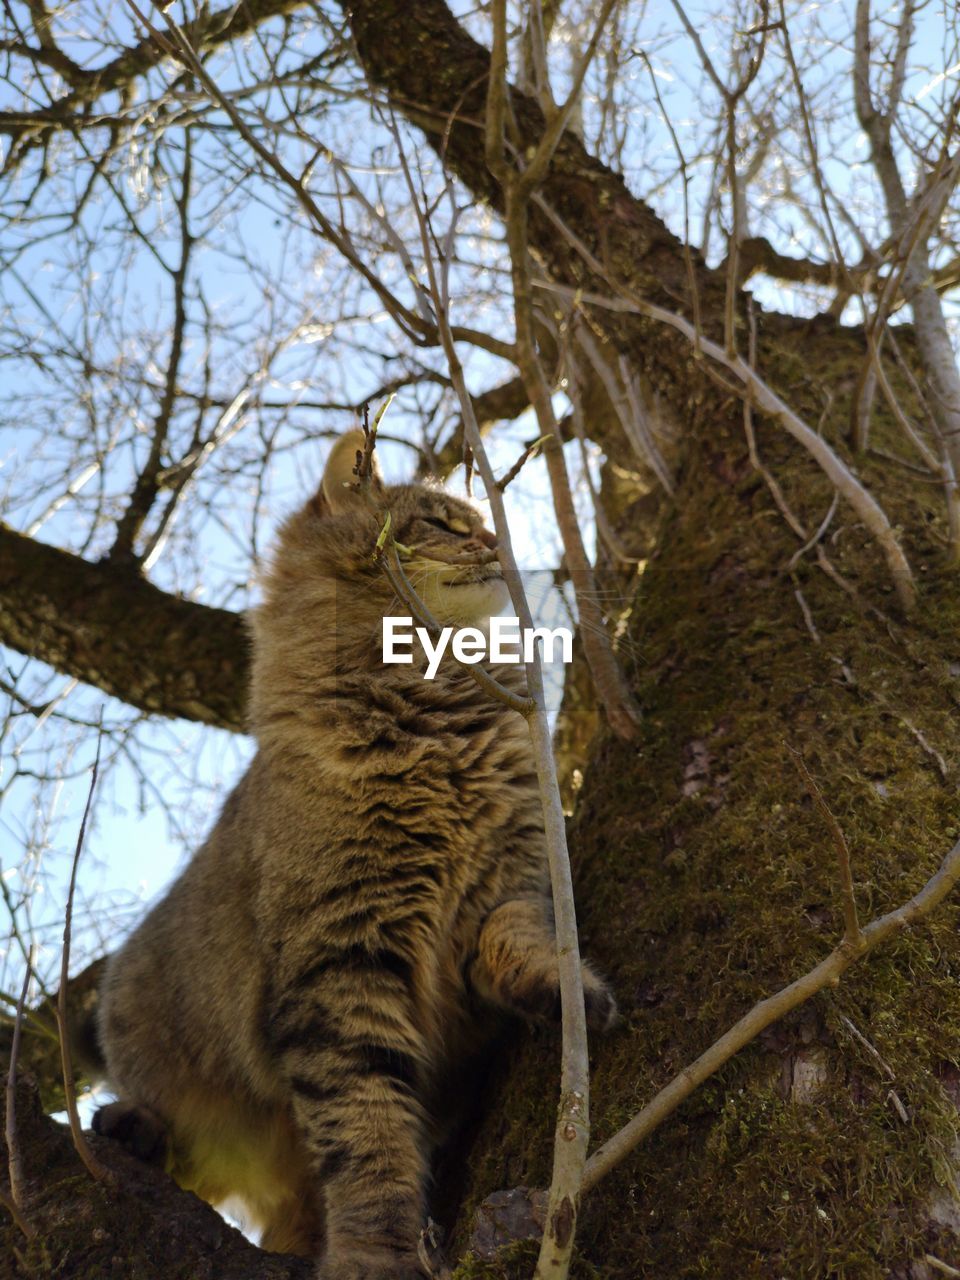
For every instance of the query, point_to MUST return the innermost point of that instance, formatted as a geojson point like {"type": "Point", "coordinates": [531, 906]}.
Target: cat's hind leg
{"type": "Point", "coordinates": [515, 966]}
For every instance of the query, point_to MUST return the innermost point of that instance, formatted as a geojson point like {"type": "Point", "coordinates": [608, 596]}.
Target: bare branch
{"type": "Point", "coordinates": [147, 485]}
{"type": "Point", "coordinates": [115, 630]}
{"type": "Point", "coordinates": [827, 973]}
{"type": "Point", "coordinates": [210, 31]}
{"type": "Point", "coordinates": [866, 506]}
{"type": "Point", "coordinates": [533, 174]}
{"type": "Point", "coordinates": [608, 680]}
{"type": "Point", "coordinates": [14, 1202]}
{"type": "Point", "coordinates": [853, 934]}
{"type": "Point", "coordinates": [93, 1166]}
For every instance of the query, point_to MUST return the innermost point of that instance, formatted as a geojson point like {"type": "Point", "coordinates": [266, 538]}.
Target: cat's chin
{"type": "Point", "coordinates": [469, 604]}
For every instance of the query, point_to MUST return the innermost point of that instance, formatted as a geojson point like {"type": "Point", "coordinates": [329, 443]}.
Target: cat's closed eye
{"type": "Point", "coordinates": [446, 528]}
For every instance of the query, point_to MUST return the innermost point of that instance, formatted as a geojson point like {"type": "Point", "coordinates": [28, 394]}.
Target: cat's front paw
{"type": "Point", "coordinates": [541, 1001]}
{"type": "Point", "coordinates": [138, 1129]}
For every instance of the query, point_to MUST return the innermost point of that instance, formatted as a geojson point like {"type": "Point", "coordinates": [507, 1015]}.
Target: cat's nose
{"type": "Point", "coordinates": [488, 539]}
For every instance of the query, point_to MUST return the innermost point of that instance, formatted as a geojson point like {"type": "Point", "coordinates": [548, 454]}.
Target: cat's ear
{"type": "Point", "coordinates": [339, 478]}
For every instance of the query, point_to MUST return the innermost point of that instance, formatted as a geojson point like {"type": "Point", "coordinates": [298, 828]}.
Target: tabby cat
{"type": "Point", "coordinates": [280, 1026]}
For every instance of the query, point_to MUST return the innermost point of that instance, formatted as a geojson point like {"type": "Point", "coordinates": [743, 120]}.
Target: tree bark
{"type": "Point", "coordinates": [706, 881]}
{"type": "Point", "coordinates": [139, 1226]}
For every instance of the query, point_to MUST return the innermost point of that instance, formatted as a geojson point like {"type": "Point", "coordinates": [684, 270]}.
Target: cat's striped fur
{"type": "Point", "coordinates": [284, 1019]}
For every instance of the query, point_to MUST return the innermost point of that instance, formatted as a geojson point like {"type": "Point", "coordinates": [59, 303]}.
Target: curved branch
{"type": "Point", "coordinates": [827, 973]}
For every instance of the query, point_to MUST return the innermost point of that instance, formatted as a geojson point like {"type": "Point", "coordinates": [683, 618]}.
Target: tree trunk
{"type": "Point", "coordinates": [707, 880]}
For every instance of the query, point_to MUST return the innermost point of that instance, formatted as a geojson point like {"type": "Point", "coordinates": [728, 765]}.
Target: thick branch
{"type": "Point", "coordinates": [210, 31]}
{"type": "Point", "coordinates": [142, 1222]}
{"type": "Point", "coordinates": [109, 627]}
{"type": "Point", "coordinates": [758, 254]}
{"type": "Point", "coordinates": [444, 93]}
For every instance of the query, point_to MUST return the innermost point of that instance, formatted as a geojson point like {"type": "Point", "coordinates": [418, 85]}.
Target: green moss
{"type": "Point", "coordinates": [515, 1261]}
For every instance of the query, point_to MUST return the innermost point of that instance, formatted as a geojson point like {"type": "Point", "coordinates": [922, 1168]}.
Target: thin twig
{"type": "Point", "coordinates": [932, 752]}
{"type": "Point", "coordinates": [535, 171]}
{"type": "Point", "coordinates": [529, 451]}
{"type": "Point", "coordinates": [572, 1131]}
{"type": "Point", "coordinates": [389, 556]}
{"type": "Point", "coordinates": [605, 529]}
{"type": "Point", "coordinates": [411, 323]}
{"type": "Point", "coordinates": [692, 285]}
{"type": "Point", "coordinates": [858, 1035]}
{"type": "Point", "coordinates": [94, 1167]}
{"type": "Point", "coordinates": [608, 680]}
{"type": "Point", "coordinates": [573, 1118]}
{"type": "Point", "coordinates": [731, 97]}
{"type": "Point", "coordinates": [801, 600]}
{"type": "Point", "coordinates": [852, 932]}
{"type": "Point", "coordinates": [815, 540]}
{"type": "Point", "coordinates": [14, 1202]}
{"type": "Point", "coordinates": [624, 401]}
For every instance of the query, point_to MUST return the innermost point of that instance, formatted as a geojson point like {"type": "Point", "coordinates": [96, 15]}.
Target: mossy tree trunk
{"type": "Point", "coordinates": [707, 880]}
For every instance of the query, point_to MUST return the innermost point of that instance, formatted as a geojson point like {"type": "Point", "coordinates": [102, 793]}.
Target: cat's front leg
{"type": "Point", "coordinates": [516, 965]}
{"type": "Point", "coordinates": [355, 1064]}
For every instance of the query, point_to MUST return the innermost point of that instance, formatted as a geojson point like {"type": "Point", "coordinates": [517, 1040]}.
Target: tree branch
{"type": "Point", "coordinates": [141, 1216]}
{"type": "Point", "coordinates": [208, 32]}
{"type": "Point", "coordinates": [111, 628]}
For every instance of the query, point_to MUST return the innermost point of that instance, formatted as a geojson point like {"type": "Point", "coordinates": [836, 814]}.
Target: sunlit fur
{"type": "Point", "coordinates": [292, 1010]}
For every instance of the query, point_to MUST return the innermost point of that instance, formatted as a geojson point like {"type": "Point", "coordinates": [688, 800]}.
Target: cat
{"type": "Point", "coordinates": [280, 1027]}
